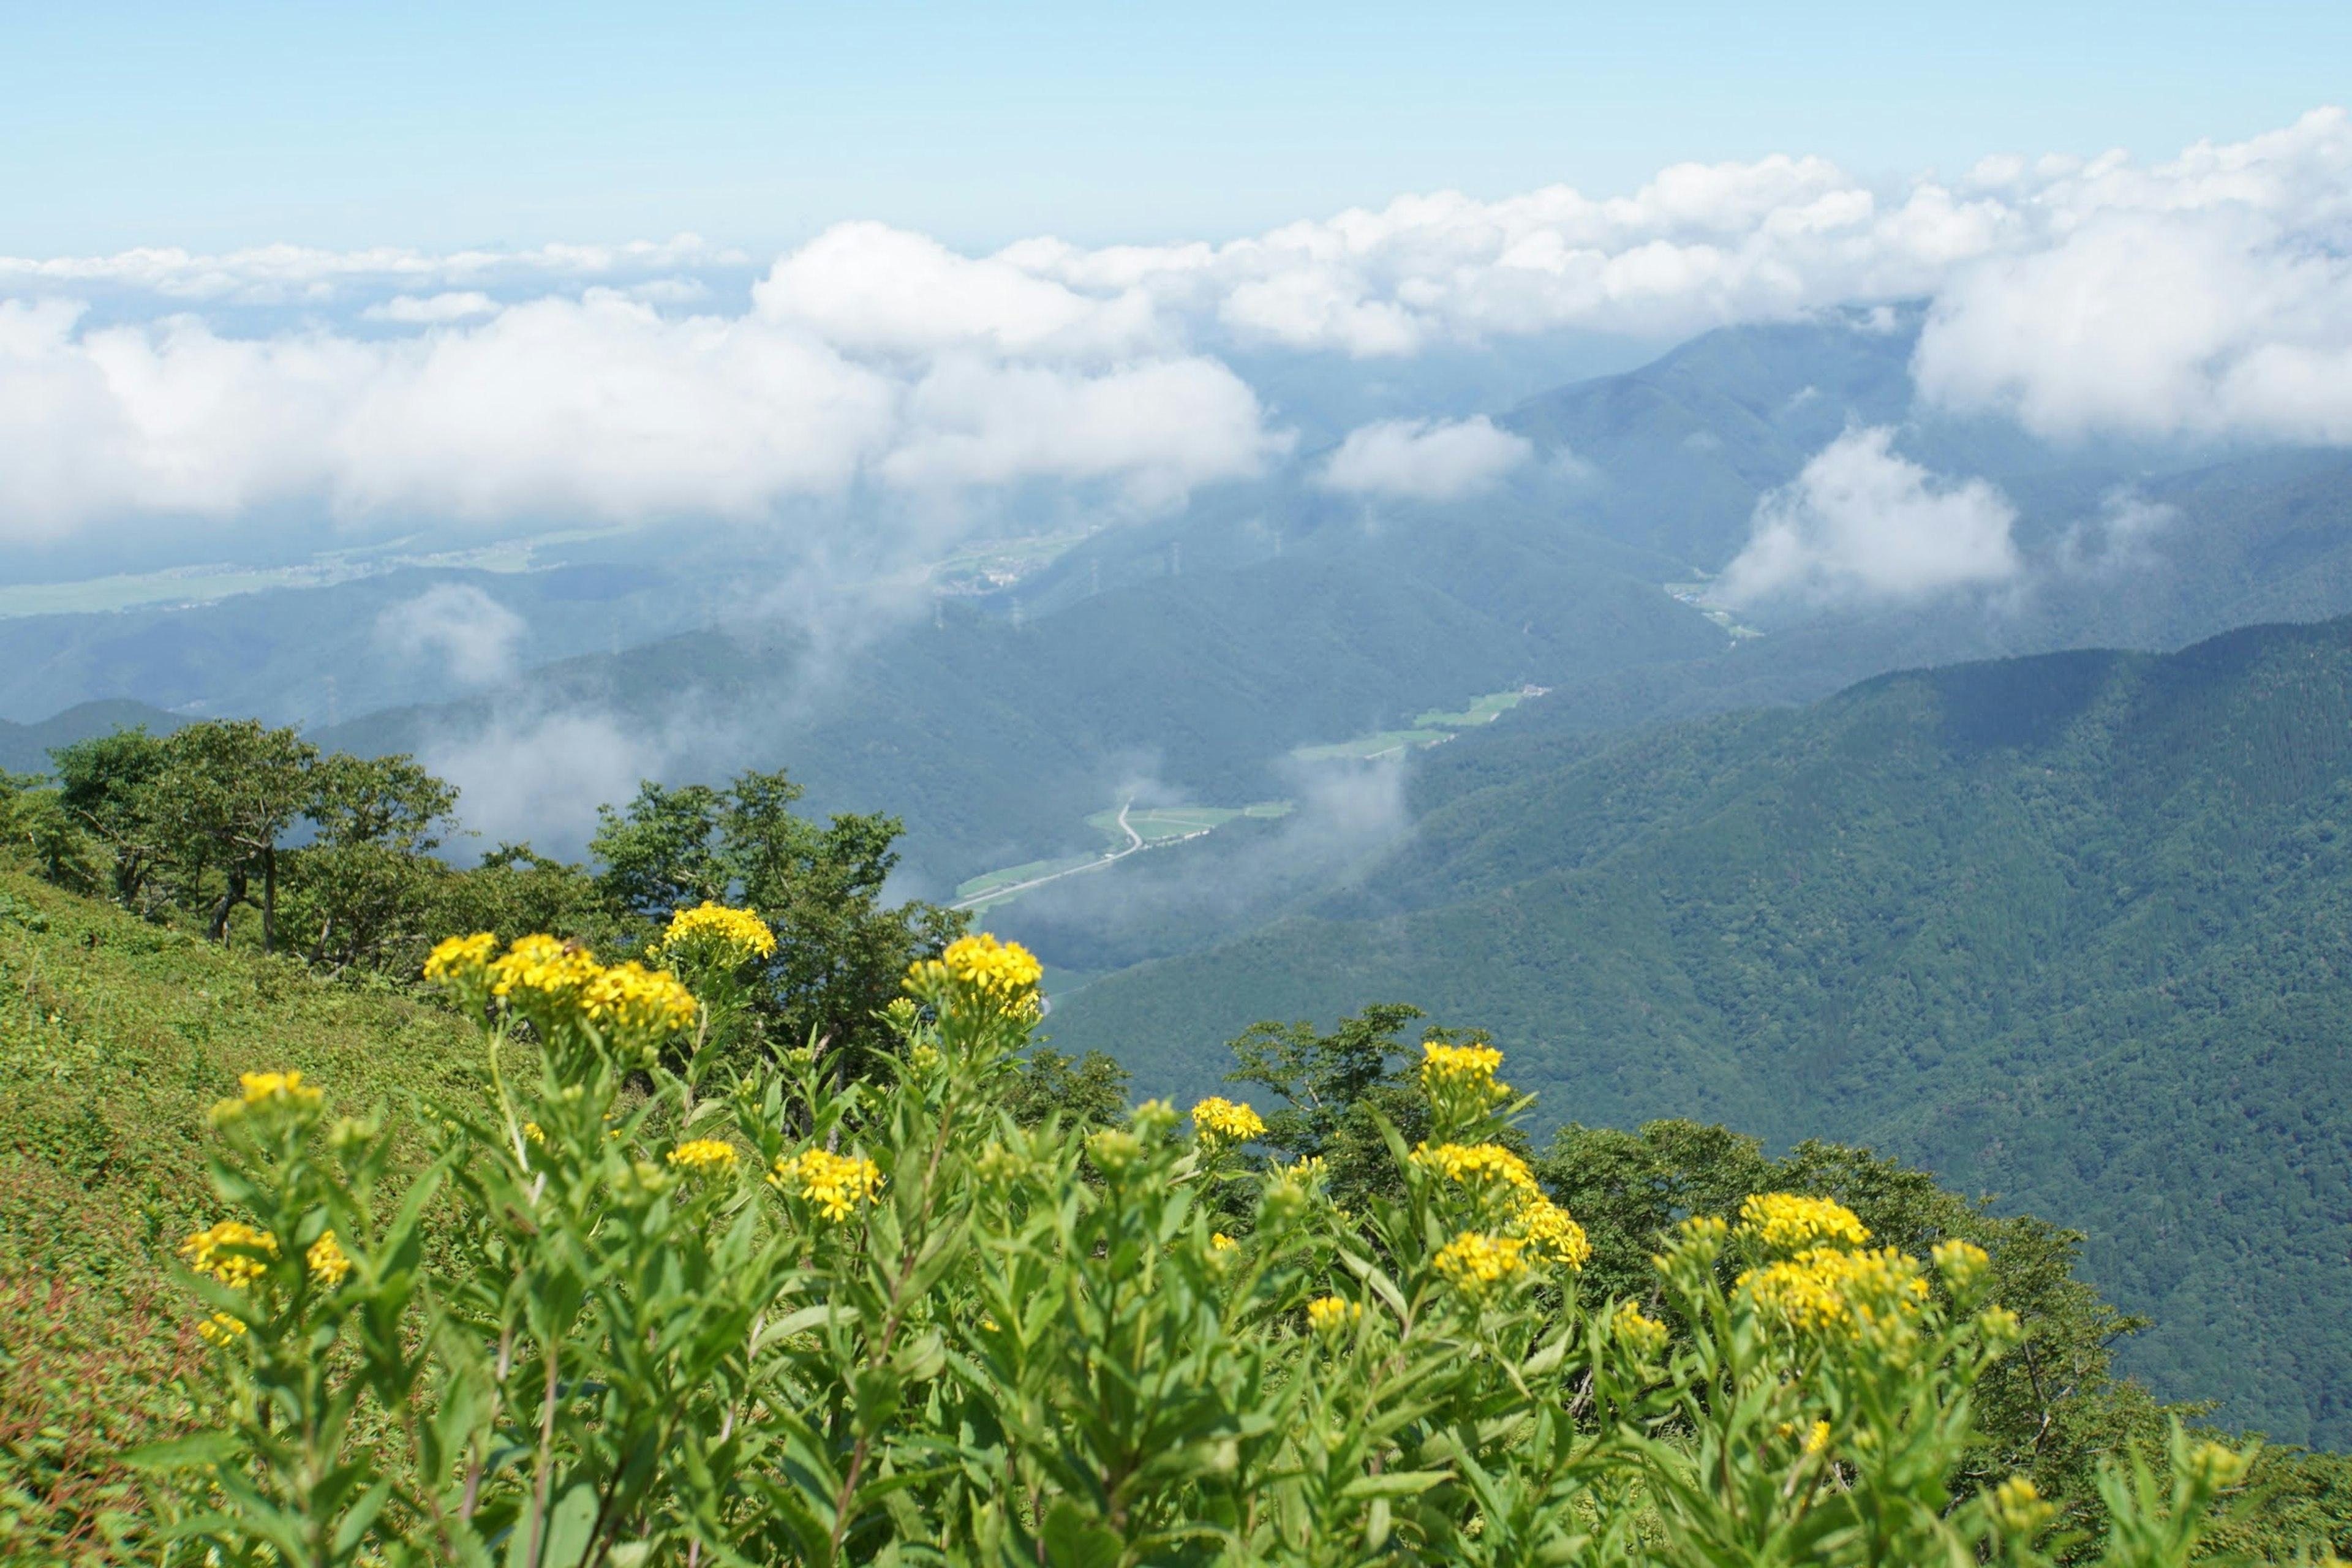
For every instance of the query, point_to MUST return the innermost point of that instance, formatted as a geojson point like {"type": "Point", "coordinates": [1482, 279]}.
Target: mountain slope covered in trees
{"type": "Point", "coordinates": [2072, 929]}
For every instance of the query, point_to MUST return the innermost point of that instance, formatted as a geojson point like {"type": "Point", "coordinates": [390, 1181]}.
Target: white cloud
{"type": "Point", "coordinates": [2209, 295]}
{"type": "Point", "coordinates": [473, 635]}
{"type": "Point", "coordinates": [411, 309]}
{"type": "Point", "coordinates": [1424, 460]}
{"type": "Point", "coordinates": [1861, 523]}
{"type": "Point", "coordinates": [543, 774]}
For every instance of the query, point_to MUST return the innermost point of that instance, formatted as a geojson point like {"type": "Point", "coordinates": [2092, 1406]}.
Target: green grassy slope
{"type": "Point", "coordinates": [2072, 928]}
{"type": "Point", "coordinates": [115, 1036]}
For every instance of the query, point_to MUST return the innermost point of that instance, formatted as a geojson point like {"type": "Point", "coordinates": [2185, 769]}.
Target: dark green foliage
{"type": "Point", "coordinates": [841, 953]}
{"type": "Point", "coordinates": [2051, 1408]}
{"type": "Point", "coordinates": [1086, 1092]}
{"type": "Point", "coordinates": [2067, 930]}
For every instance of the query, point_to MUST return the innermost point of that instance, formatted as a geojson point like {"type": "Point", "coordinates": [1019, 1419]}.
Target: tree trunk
{"type": "Point", "coordinates": [230, 898]}
{"type": "Point", "coordinates": [269, 898]}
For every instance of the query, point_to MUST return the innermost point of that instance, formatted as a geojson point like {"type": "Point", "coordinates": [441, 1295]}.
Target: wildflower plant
{"type": "Point", "coordinates": [628, 1314]}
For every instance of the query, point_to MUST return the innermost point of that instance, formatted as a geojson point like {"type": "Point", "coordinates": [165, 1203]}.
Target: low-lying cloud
{"type": "Point", "coordinates": [475, 638]}
{"type": "Point", "coordinates": [1423, 459]}
{"type": "Point", "coordinates": [2207, 295]}
{"type": "Point", "coordinates": [1862, 522]}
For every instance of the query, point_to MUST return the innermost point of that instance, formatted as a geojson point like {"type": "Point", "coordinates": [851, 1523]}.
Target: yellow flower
{"type": "Point", "coordinates": [1221, 1242]}
{"type": "Point", "coordinates": [1328, 1314]}
{"type": "Point", "coordinates": [209, 1251]}
{"type": "Point", "coordinates": [1004, 972]}
{"type": "Point", "coordinates": [1818, 1438]}
{"type": "Point", "coordinates": [1478, 1165]}
{"type": "Point", "coordinates": [1787, 1223]}
{"type": "Point", "coordinates": [924, 1058]}
{"type": "Point", "coordinates": [2017, 1503]}
{"type": "Point", "coordinates": [1473, 1261]}
{"type": "Point", "coordinates": [461, 957]}
{"type": "Point", "coordinates": [703, 1155]}
{"type": "Point", "coordinates": [1962, 1263]}
{"type": "Point", "coordinates": [266, 1091]}
{"type": "Point", "coordinates": [1548, 1228]}
{"type": "Point", "coordinates": [1827, 1287]}
{"type": "Point", "coordinates": [729, 936]}
{"type": "Point", "coordinates": [1470, 1065]}
{"type": "Point", "coordinates": [633, 999]}
{"type": "Point", "coordinates": [543, 967]}
{"type": "Point", "coordinates": [220, 1329]}
{"type": "Point", "coordinates": [1218, 1120]}
{"type": "Point", "coordinates": [534, 1131]}
{"type": "Point", "coordinates": [328, 1262]}
{"type": "Point", "coordinates": [1637, 1332]}
{"type": "Point", "coordinates": [833, 1183]}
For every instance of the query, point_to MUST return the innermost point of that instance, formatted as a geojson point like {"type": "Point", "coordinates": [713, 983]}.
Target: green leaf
{"type": "Point", "coordinates": [196, 1450]}
{"type": "Point", "coordinates": [1074, 1541]}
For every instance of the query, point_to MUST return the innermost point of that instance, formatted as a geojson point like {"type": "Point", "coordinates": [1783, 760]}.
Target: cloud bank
{"type": "Point", "coordinates": [473, 635]}
{"type": "Point", "coordinates": [1422, 459]}
{"type": "Point", "coordinates": [1862, 524]}
{"type": "Point", "coordinates": [2208, 295]}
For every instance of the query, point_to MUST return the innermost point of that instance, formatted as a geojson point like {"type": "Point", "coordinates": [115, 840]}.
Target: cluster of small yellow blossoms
{"type": "Point", "coordinates": [543, 967]}
{"type": "Point", "coordinates": [2017, 1504]}
{"type": "Point", "coordinates": [1828, 1286]}
{"type": "Point", "coordinates": [1474, 1066]}
{"type": "Point", "coordinates": [1478, 1165]}
{"type": "Point", "coordinates": [1961, 1262]}
{"type": "Point", "coordinates": [328, 1261]}
{"type": "Point", "coordinates": [1549, 1229]}
{"type": "Point", "coordinates": [703, 1155]}
{"type": "Point", "coordinates": [836, 1183]}
{"type": "Point", "coordinates": [1004, 971]}
{"type": "Point", "coordinates": [1328, 1314]}
{"type": "Point", "coordinates": [265, 1092]}
{"type": "Point", "coordinates": [1219, 1242]}
{"type": "Point", "coordinates": [460, 956]}
{"type": "Point", "coordinates": [207, 1252]}
{"type": "Point", "coordinates": [733, 935]}
{"type": "Point", "coordinates": [1638, 1331]}
{"type": "Point", "coordinates": [638, 1000]}
{"type": "Point", "coordinates": [1218, 1120]}
{"type": "Point", "coordinates": [1817, 1436]}
{"type": "Point", "coordinates": [1473, 1261]}
{"type": "Point", "coordinates": [1787, 1223]}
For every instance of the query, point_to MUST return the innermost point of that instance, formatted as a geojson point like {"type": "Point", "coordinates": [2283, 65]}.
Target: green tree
{"type": "Point", "coordinates": [369, 878]}
{"type": "Point", "coordinates": [840, 951]}
{"type": "Point", "coordinates": [225, 795]}
{"type": "Point", "coordinates": [104, 784]}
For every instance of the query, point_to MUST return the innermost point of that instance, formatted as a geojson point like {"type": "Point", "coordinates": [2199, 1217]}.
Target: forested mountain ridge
{"type": "Point", "coordinates": [2072, 929]}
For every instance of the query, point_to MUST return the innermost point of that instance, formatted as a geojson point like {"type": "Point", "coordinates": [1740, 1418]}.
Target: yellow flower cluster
{"type": "Point", "coordinates": [328, 1261]}
{"type": "Point", "coordinates": [1787, 1223]}
{"type": "Point", "coordinates": [1638, 1331]}
{"type": "Point", "coordinates": [266, 1091]}
{"type": "Point", "coordinates": [1828, 1286]}
{"type": "Point", "coordinates": [637, 1000]}
{"type": "Point", "coordinates": [833, 1183]}
{"type": "Point", "coordinates": [1471, 1065]}
{"type": "Point", "coordinates": [1328, 1314]}
{"type": "Point", "coordinates": [1478, 1165]}
{"type": "Point", "coordinates": [1003, 970]}
{"type": "Point", "coordinates": [219, 1329]}
{"type": "Point", "coordinates": [735, 935]}
{"type": "Point", "coordinates": [1962, 1263]}
{"type": "Point", "coordinates": [1473, 1261]}
{"type": "Point", "coordinates": [1217, 1120]}
{"type": "Point", "coordinates": [207, 1252]}
{"type": "Point", "coordinates": [460, 956]}
{"type": "Point", "coordinates": [1548, 1228]}
{"type": "Point", "coordinates": [2017, 1503]}
{"type": "Point", "coordinates": [1219, 1242]}
{"type": "Point", "coordinates": [543, 967]}
{"type": "Point", "coordinates": [703, 1155]}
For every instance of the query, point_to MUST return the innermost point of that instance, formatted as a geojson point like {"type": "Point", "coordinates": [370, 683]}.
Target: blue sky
{"type": "Point", "coordinates": [441, 125]}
